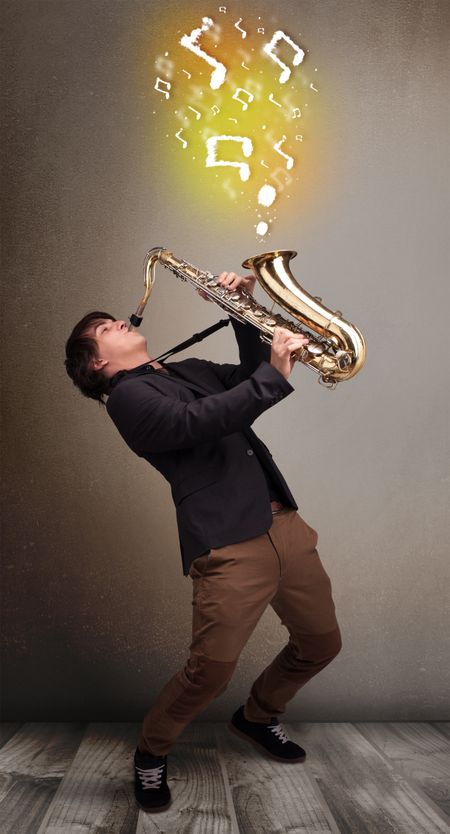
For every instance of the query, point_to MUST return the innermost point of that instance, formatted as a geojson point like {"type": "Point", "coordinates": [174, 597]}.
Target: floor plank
{"type": "Point", "coordinates": [200, 801]}
{"type": "Point", "coordinates": [419, 753]}
{"type": "Point", "coordinates": [96, 795]}
{"type": "Point", "coordinates": [271, 796]}
{"type": "Point", "coordinates": [32, 764]}
{"type": "Point", "coordinates": [363, 791]}
{"type": "Point", "coordinates": [7, 730]}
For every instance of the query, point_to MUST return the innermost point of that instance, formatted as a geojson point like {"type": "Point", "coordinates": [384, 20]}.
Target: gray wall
{"type": "Point", "coordinates": [96, 611]}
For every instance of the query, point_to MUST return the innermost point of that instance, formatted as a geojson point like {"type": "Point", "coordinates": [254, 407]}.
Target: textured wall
{"type": "Point", "coordinates": [96, 611]}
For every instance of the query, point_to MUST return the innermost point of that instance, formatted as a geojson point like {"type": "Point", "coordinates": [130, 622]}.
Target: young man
{"type": "Point", "coordinates": [242, 541]}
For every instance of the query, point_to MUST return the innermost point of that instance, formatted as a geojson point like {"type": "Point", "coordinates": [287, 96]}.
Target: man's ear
{"type": "Point", "coordinates": [98, 364]}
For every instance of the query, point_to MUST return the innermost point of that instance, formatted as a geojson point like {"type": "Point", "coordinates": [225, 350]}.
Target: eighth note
{"type": "Point", "coordinates": [236, 25]}
{"type": "Point", "coordinates": [271, 98]}
{"type": "Point", "coordinates": [164, 92]}
{"type": "Point", "coordinates": [244, 103]}
{"type": "Point", "coordinates": [289, 159]}
{"type": "Point", "coordinates": [187, 73]}
{"type": "Point", "coordinates": [197, 114]}
{"type": "Point", "coordinates": [215, 109]}
{"type": "Point", "coordinates": [180, 138]}
{"type": "Point", "coordinates": [247, 150]}
{"type": "Point", "coordinates": [298, 57]}
{"type": "Point", "coordinates": [296, 113]}
{"type": "Point", "coordinates": [191, 42]}
{"type": "Point", "coordinates": [299, 137]}
{"type": "Point", "coordinates": [313, 87]}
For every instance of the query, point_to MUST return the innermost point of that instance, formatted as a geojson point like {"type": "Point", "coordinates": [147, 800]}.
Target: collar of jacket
{"type": "Point", "coordinates": [145, 368]}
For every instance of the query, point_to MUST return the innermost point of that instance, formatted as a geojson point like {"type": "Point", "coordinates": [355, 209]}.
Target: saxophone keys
{"type": "Point", "coordinates": [314, 349]}
{"type": "Point", "coordinates": [270, 322]}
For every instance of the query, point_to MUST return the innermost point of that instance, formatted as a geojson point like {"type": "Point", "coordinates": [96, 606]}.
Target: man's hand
{"type": "Point", "coordinates": [284, 342]}
{"type": "Point", "coordinates": [232, 281]}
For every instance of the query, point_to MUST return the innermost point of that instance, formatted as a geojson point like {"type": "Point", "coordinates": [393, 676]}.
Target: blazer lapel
{"type": "Point", "coordinates": [194, 386]}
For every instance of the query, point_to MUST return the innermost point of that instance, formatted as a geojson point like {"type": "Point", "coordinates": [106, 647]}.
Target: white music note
{"type": "Point", "coordinates": [232, 120]}
{"type": "Point", "coordinates": [261, 30]}
{"type": "Point", "coordinates": [197, 114]}
{"type": "Point", "coordinates": [264, 164]}
{"type": "Point", "coordinates": [215, 109]}
{"type": "Point", "coordinates": [298, 57]}
{"type": "Point", "coordinates": [244, 103]}
{"type": "Point", "coordinates": [223, 9]}
{"type": "Point", "coordinates": [313, 87]}
{"type": "Point", "coordinates": [164, 92]}
{"type": "Point", "coordinates": [271, 98]}
{"type": "Point", "coordinates": [299, 137]}
{"type": "Point", "coordinates": [247, 150]}
{"type": "Point", "coordinates": [244, 34]}
{"type": "Point", "coordinates": [296, 113]}
{"type": "Point", "coordinates": [243, 65]}
{"type": "Point", "coordinates": [287, 179]}
{"type": "Point", "coordinates": [289, 159]}
{"type": "Point", "coordinates": [181, 139]}
{"type": "Point", "coordinates": [190, 42]}
{"type": "Point", "coordinates": [187, 73]}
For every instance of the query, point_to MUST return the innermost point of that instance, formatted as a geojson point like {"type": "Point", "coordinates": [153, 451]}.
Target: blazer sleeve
{"type": "Point", "coordinates": [252, 351]}
{"type": "Point", "coordinates": [153, 422]}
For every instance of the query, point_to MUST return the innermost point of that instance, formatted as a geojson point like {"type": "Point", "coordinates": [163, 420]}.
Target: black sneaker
{"type": "Point", "coordinates": [150, 781]}
{"type": "Point", "coordinates": [270, 737]}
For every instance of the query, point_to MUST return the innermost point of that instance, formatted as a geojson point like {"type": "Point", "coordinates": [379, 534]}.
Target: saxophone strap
{"type": "Point", "coordinates": [197, 337]}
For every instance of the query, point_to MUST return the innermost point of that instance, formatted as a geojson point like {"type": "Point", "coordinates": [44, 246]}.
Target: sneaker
{"type": "Point", "coordinates": [150, 781]}
{"type": "Point", "coordinates": [270, 737]}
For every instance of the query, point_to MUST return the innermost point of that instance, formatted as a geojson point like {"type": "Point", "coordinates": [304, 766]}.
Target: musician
{"type": "Point", "coordinates": [242, 541]}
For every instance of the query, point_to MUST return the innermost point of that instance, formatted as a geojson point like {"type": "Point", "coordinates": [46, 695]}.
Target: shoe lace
{"type": "Point", "coordinates": [150, 776]}
{"type": "Point", "coordinates": [279, 731]}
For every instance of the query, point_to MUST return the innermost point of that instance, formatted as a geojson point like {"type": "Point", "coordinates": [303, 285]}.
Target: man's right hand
{"type": "Point", "coordinates": [284, 342]}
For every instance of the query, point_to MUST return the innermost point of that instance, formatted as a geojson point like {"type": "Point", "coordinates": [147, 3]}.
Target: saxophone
{"type": "Point", "coordinates": [336, 349]}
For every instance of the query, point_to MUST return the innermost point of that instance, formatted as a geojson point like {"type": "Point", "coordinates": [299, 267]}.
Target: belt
{"type": "Point", "coordinates": [276, 506]}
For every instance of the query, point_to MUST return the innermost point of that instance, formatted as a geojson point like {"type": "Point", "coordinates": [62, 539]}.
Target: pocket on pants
{"type": "Point", "coordinates": [198, 566]}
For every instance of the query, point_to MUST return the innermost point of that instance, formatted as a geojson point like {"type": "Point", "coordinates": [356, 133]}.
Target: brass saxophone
{"type": "Point", "coordinates": [336, 349]}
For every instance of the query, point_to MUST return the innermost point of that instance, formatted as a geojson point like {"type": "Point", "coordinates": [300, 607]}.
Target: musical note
{"type": "Point", "coordinates": [313, 87]}
{"type": "Point", "coordinates": [215, 109]}
{"type": "Point", "coordinates": [263, 163]}
{"type": "Point", "coordinates": [181, 139]}
{"type": "Point", "coordinates": [197, 114]}
{"type": "Point", "coordinates": [261, 30]}
{"type": "Point", "coordinates": [298, 57]}
{"type": "Point", "coordinates": [271, 98]}
{"type": "Point", "coordinates": [187, 73]}
{"type": "Point", "coordinates": [266, 195]}
{"type": "Point", "coordinates": [243, 65]}
{"type": "Point", "coordinates": [244, 34]}
{"type": "Point", "coordinates": [223, 9]}
{"type": "Point", "coordinates": [276, 177]}
{"type": "Point", "coordinates": [299, 137]}
{"type": "Point", "coordinates": [164, 92]}
{"type": "Point", "coordinates": [229, 190]}
{"type": "Point", "coordinates": [232, 120]}
{"type": "Point", "coordinates": [247, 150]}
{"type": "Point", "coordinates": [190, 42]}
{"type": "Point", "coordinates": [296, 113]}
{"type": "Point", "coordinates": [163, 66]}
{"type": "Point", "coordinates": [289, 159]}
{"type": "Point", "coordinates": [244, 55]}
{"type": "Point", "coordinates": [244, 103]}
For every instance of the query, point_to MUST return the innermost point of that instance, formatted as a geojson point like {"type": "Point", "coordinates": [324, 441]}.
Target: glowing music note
{"type": "Point", "coordinates": [261, 30]}
{"type": "Point", "coordinates": [313, 87]}
{"type": "Point", "coordinates": [276, 177]}
{"type": "Point", "coordinates": [296, 113]}
{"type": "Point", "coordinates": [298, 57]}
{"type": "Point", "coordinates": [236, 25]}
{"type": "Point", "coordinates": [190, 42]}
{"type": "Point", "coordinates": [243, 65]}
{"type": "Point", "coordinates": [299, 137]}
{"type": "Point", "coordinates": [244, 103]}
{"type": "Point", "coordinates": [162, 64]}
{"type": "Point", "coordinates": [247, 150]}
{"type": "Point", "coordinates": [263, 163]}
{"type": "Point", "coordinates": [180, 138]}
{"type": "Point", "coordinates": [197, 114]}
{"type": "Point", "coordinates": [232, 120]}
{"type": "Point", "coordinates": [289, 159]}
{"type": "Point", "coordinates": [223, 9]}
{"type": "Point", "coordinates": [215, 109]}
{"type": "Point", "coordinates": [164, 92]}
{"type": "Point", "coordinates": [187, 73]}
{"type": "Point", "coordinates": [271, 98]}
{"type": "Point", "coordinates": [229, 190]}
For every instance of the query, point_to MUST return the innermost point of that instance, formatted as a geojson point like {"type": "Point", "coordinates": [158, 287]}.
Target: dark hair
{"type": "Point", "coordinates": [81, 349]}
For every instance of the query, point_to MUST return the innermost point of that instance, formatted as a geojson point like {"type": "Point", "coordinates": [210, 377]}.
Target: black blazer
{"type": "Point", "coordinates": [196, 432]}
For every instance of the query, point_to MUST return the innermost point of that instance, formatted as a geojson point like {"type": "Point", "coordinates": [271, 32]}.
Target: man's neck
{"type": "Point", "coordinates": [134, 362]}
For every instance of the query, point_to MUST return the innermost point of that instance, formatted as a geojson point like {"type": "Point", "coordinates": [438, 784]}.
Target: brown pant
{"type": "Point", "coordinates": [232, 587]}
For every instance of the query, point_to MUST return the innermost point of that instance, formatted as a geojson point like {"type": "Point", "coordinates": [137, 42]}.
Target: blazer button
{"type": "Point", "coordinates": [250, 451]}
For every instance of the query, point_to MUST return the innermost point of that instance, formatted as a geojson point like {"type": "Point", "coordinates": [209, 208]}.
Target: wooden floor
{"type": "Point", "coordinates": [367, 778]}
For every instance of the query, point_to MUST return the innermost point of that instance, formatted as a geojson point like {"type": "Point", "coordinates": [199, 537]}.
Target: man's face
{"type": "Point", "coordinates": [116, 345]}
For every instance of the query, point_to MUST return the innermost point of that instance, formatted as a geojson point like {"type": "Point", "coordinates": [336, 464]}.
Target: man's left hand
{"type": "Point", "coordinates": [232, 281]}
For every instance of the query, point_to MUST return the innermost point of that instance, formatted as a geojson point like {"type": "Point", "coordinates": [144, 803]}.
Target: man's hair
{"type": "Point", "coordinates": [81, 350]}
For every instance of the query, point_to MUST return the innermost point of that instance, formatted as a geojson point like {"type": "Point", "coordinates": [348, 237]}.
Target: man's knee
{"type": "Point", "coordinates": [209, 676]}
{"type": "Point", "coordinates": [318, 648]}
